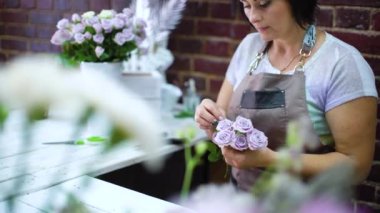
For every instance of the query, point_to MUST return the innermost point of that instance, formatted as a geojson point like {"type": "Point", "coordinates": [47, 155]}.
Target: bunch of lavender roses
{"type": "Point", "coordinates": [240, 135]}
{"type": "Point", "coordinates": [105, 37]}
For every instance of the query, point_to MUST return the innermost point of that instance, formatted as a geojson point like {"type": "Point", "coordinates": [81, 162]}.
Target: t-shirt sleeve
{"type": "Point", "coordinates": [240, 60]}
{"type": "Point", "coordinates": [351, 78]}
{"type": "Point", "coordinates": [234, 65]}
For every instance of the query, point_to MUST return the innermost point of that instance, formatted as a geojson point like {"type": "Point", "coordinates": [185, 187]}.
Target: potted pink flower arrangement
{"type": "Point", "coordinates": [105, 37]}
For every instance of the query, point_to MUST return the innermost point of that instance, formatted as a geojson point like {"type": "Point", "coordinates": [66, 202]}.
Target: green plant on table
{"type": "Point", "coordinates": [194, 159]}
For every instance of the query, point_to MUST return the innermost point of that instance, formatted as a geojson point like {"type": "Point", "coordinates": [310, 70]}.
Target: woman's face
{"type": "Point", "coordinates": [273, 19]}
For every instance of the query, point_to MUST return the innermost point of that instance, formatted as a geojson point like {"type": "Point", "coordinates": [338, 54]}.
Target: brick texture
{"type": "Point", "coordinates": [28, 4]}
{"type": "Point", "coordinates": [11, 3]}
{"type": "Point", "coordinates": [62, 5]}
{"type": "Point", "coordinates": [352, 18]}
{"type": "Point", "coordinates": [118, 4]}
{"type": "Point", "coordinates": [98, 5]}
{"type": "Point", "coordinates": [45, 4]}
{"type": "Point", "coordinates": [376, 21]}
{"type": "Point", "coordinates": [366, 3]}
{"type": "Point", "coordinates": [325, 17]}
{"type": "Point", "coordinates": [202, 44]}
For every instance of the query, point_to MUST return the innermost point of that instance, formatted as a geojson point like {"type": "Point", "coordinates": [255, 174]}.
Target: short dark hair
{"type": "Point", "coordinates": [304, 11]}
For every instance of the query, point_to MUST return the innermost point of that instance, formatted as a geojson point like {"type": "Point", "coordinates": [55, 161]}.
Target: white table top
{"type": "Point", "coordinates": [96, 196]}
{"type": "Point", "coordinates": [48, 165]}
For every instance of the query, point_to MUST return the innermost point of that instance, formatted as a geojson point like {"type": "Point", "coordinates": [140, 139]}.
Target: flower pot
{"type": "Point", "coordinates": [99, 124]}
{"type": "Point", "coordinates": [111, 68]}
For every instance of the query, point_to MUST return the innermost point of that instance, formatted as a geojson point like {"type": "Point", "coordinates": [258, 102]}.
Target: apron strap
{"type": "Point", "coordinates": [308, 43]}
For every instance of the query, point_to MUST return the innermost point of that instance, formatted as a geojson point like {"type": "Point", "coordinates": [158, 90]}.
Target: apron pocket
{"type": "Point", "coordinates": [263, 99]}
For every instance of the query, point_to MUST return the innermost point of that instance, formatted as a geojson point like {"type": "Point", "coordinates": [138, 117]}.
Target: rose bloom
{"type": "Point", "coordinates": [256, 140]}
{"type": "Point", "coordinates": [224, 124]}
{"type": "Point", "coordinates": [243, 125]}
{"type": "Point", "coordinates": [239, 142]}
{"type": "Point", "coordinates": [223, 138]}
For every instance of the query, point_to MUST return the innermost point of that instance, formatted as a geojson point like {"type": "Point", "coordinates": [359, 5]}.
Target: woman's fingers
{"type": "Point", "coordinates": [203, 124]}
{"type": "Point", "coordinates": [204, 117]}
{"type": "Point", "coordinates": [207, 113]}
{"type": "Point", "coordinates": [213, 109]}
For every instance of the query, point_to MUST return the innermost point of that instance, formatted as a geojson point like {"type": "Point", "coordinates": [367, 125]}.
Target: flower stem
{"type": "Point", "coordinates": [187, 179]}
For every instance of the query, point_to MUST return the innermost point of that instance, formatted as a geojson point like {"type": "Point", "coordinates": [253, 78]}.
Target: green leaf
{"type": "Point", "coordinates": [86, 116]}
{"type": "Point", "coordinates": [96, 139]}
{"type": "Point", "coordinates": [3, 115]}
{"type": "Point", "coordinates": [184, 114]}
{"type": "Point", "coordinates": [214, 152]}
{"type": "Point", "coordinates": [79, 142]}
{"type": "Point", "coordinates": [90, 30]}
{"type": "Point", "coordinates": [187, 134]}
{"type": "Point", "coordinates": [67, 61]}
{"type": "Point", "coordinates": [117, 136]}
{"type": "Point", "coordinates": [191, 133]}
{"type": "Point", "coordinates": [37, 113]}
{"type": "Point", "coordinates": [201, 148]}
{"type": "Point", "coordinates": [292, 139]}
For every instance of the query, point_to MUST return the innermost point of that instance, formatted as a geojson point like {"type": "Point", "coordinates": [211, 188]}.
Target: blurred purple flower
{"type": "Point", "coordinates": [223, 138]}
{"type": "Point", "coordinates": [91, 21]}
{"type": "Point", "coordinates": [324, 205]}
{"type": "Point", "coordinates": [224, 124]}
{"type": "Point", "coordinates": [75, 18]}
{"type": "Point", "coordinates": [221, 199]}
{"type": "Point", "coordinates": [118, 23]}
{"type": "Point", "coordinates": [87, 35]}
{"type": "Point", "coordinates": [122, 16]}
{"type": "Point", "coordinates": [107, 25]}
{"type": "Point", "coordinates": [128, 12]}
{"type": "Point", "coordinates": [243, 125]}
{"type": "Point", "coordinates": [98, 28]}
{"type": "Point", "coordinates": [239, 142]}
{"type": "Point", "coordinates": [78, 28]}
{"type": "Point", "coordinates": [63, 24]}
{"type": "Point", "coordinates": [127, 33]}
{"type": "Point", "coordinates": [61, 36]}
{"type": "Point", "coordinates": [99, 51]}
{"type": "Point", "coordinates": [98, 38]}
{"type": "Point", "coordinates": [257, 140]}
{"type": "Point", "coordinates": [120, 39]}
{"type": "Point", "coordinates": [79, 38]}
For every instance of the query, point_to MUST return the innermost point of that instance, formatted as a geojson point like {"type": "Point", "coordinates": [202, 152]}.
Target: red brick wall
{"type": "Point", "coordinates": [203, 43]}
{"type": "Point", "coordinates": [27, 25]}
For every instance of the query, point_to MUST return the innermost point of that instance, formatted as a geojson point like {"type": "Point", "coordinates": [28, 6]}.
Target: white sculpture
{"type": "Point", "coordinates": [161, 17]}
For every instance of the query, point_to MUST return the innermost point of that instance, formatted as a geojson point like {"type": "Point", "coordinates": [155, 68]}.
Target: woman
{"type": "Point", "coordinates": [302, 71]}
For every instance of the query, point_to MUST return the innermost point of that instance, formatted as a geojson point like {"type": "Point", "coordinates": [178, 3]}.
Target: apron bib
{"type": "Point", "coordinates": [271, 101]}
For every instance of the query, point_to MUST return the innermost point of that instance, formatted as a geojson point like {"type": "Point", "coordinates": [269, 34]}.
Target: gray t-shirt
{"type": "Point", "coordinates": [335, 74]}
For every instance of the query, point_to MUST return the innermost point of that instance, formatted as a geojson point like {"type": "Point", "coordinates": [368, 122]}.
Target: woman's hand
{"type": "Point", "coordinates": [207, 113]}
{"type": "Point", "coordinates": [249, 158]}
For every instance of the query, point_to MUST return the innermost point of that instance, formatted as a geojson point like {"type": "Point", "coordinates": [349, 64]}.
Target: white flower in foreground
{"type": "Point", "coordinates": [39, 81]}
{"type": "Point", "coordinates": [125, 109]}
{"type": "Point", "coordinates": [33, 81]}
{"type": "Point", "coordinates": [221, 199]}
